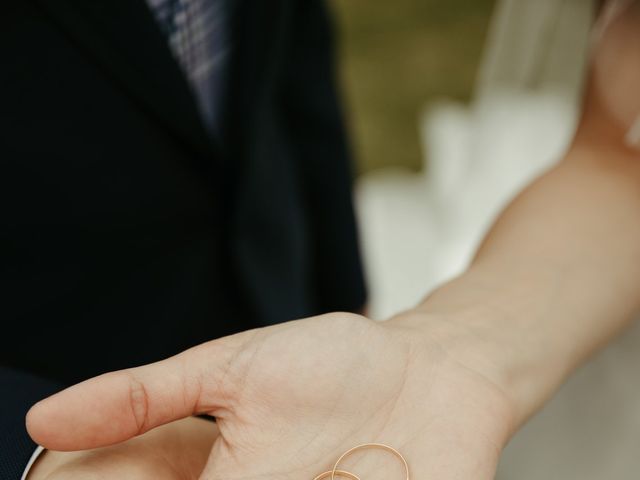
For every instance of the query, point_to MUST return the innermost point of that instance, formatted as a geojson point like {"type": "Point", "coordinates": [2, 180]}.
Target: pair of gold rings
{"type": "Point", "coordinates": [332, 474]}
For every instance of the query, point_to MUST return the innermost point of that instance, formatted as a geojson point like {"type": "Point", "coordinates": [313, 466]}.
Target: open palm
{"type": "Point", "coordinates": [290, 399]}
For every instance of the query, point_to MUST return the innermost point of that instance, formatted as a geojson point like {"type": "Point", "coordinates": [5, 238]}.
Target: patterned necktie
{"type": "Point", "coordinates": [197, 32]}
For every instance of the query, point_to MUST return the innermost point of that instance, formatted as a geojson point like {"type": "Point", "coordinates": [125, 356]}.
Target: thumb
{"type": "Point", "coordinates": [117, 406]}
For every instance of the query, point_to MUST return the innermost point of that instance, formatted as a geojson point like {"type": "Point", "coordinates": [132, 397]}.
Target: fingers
{"type": "Point", "coordinates": [118, 406]}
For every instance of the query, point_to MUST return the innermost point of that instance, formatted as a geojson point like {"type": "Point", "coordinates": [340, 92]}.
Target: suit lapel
{"type": "Point", "coordinates": [258, 34]}
{"type": "Point", "coordinates": [123, 38]}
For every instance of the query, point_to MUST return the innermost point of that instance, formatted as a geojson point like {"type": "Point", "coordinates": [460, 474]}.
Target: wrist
{"type": "Point", "coordinates": [453, 366]}
{"type": "Point", "coordinates": [467, 321]}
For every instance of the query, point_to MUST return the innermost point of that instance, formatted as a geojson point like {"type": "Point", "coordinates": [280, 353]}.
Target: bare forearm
{"type": "Point", "coordinates": [556, 277]}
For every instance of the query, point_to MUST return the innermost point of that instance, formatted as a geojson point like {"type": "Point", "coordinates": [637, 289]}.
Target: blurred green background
{"type": "Point", "coordinates": [396, 56]}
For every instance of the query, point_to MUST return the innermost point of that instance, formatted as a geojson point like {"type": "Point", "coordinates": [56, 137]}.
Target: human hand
{"type": "Point", "coordinates": [176, 451]}
{"type": "Point", "coordinates": [290, 399]}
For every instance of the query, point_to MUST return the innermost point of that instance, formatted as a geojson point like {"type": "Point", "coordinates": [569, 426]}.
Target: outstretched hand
{"type": "Point", "coordinates": [291, 398]}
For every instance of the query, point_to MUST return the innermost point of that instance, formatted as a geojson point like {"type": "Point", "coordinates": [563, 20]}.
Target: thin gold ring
{"type": "Point", "coordinates": [340, 473]}
{"type": "Point", "coordinates": [382, 446]}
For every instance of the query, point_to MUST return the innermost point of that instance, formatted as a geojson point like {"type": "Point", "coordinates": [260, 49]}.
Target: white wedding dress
{"type": "Point", "coordinates": [419, 230]}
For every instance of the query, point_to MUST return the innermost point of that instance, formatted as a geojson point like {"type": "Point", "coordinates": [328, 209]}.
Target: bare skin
{"type": "Point", "coordinates": [175, 451]}
{"type": "Point", "coordinates": [290, 399]}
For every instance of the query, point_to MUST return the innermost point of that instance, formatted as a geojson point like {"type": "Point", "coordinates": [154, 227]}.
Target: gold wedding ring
{"type": "Point", "coordinates": [337, 473]}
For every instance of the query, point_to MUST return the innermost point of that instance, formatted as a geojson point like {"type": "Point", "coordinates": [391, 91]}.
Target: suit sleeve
{"type": "Point", "coordinates": [19, 392]}
{"type": "Point", "coordinates": [315, 119]}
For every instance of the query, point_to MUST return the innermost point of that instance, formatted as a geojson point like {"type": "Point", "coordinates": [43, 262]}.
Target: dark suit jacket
{"type": "Point", "coordinates": [127, 233]}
